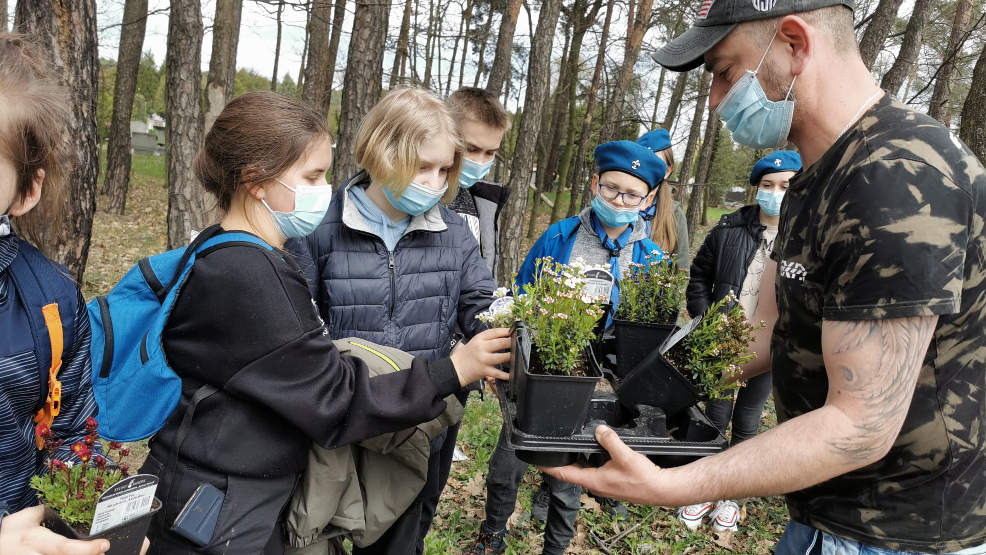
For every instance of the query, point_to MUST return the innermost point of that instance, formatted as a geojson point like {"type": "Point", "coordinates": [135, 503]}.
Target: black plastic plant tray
{"type": "Point", "coordinates": [684, 438]}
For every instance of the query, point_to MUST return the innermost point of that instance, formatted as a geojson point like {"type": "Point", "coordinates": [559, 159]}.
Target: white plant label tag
{"type": "Point", "coordinates": [125, 500]}
{"type": "Point", "coordinates": [599, 284]}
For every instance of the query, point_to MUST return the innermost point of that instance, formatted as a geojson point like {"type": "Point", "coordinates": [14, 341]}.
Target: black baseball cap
{"type": "Point", "coordinates": [716, 18]}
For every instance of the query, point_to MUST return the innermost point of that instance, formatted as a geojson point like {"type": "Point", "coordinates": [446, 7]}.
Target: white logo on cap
{"type": "Point", "coordinates": [703, 12]}
{"type": "Point", "coordinates": [777, 162]}
{"type": "Point", "coordinates": [635, 164]}
{"type": "Point", "coordinates": [763, 5]}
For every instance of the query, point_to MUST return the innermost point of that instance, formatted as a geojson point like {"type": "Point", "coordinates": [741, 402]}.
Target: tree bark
{"type": "Point", "coordinates": [429, 43]}
{"type": "Point", "coordinates": [657, 97]}
{"type": "Point", "coordinates": [189, 206]}
{"type": "Point", "coordinates": [910, 47]}
{"type": "Point", "coordinates": [972, 129]}
{"type": "Point", "coordinates": [938, 108]}
{"type": "Point", "coordinates": [482, 47]}
{"type": "Point", "coordinates": [635, 37]}
{"type": "Point", "coordinates": [127, 64]}
{"type": "Point", "coordinates": [66, 32]}
{"type": "Point", "coordinates": [465, 42]}
{"type": "Point", "coordinates": [538, 76]}
{"type": "Point", "coordinates": [676, 95]}
{"type": "Point", "coordinates": [363, 82]}
{"type": "Point", "coordinates": [400, 57]}
{"type": "Point", "coordinates": [338, 18]}
{"type": "Point", "coordinates": [304, 48]}
{"type": "Point", "coordinates": [705, 158]}
{"type": "Point", "coordinates": [504, 48]}
{"type": "Point", "coordinates": [575, 201]}
{"type": "Point", "coordinates": [222, 65]}
{"type": "Point", "coordinates": [316, 89]}
{"type": "Point", "coordinates": [876, 32]}
{"type": "Point", "coordinates": [463, 24]}
{"type": "Point", "coordinates": [695, 199]}
{"type": "Point", "coordinates": [277, 46]}
{"type": "Point", "coordinates": [3, 16]}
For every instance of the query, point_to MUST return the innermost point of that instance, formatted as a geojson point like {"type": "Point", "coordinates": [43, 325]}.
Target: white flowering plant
{"type": "Point", "coordinates": [501, 312]}
{"type": "Point", "coordinates": [716, 349]}
{"type": "Point", "coordinates": [560, 313]}
{"type": "Point", "coordinates": [653, 292]}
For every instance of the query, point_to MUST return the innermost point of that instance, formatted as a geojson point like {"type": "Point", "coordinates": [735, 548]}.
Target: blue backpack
{"type": "Point", "coordinates": [134, 386]}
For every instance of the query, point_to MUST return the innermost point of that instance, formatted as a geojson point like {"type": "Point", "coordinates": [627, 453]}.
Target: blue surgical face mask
{"type": "Point", "coordinates": [310, 205]}
{"type": "Point", "coordinates": [611, 216]}
{"type": "Point", "coordinates": [770, 202]}
{"type": "Point", "coordinates": [752, 118]}
{"type": "Point", "coordinates": [416, 199]}
{"type": "Point", "coordinates": [473, 172]}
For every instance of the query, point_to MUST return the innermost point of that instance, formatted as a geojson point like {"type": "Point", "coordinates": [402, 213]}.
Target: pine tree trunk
{"type": "Point", "coordinates": [938, 108]}
{"type": "Point", "coordinates": [500, 71]}
{"type": "Point", "coordinates": [66, 31]}
{"type": "Point", "coordinates": [3, 16]}
{"type": "Point", "coordinates": [127, 63]}
{"type": "Point", "coordinates": [465, 42]}
{"type": "Point", "coordinates": [400, 57]}
{"type": "Point", "coordinates": [676, 95]}
{"type": "Point", "coordinates": [429, 44]}
{"type": "Point", "coordinates": [575, 201]}
{"type": "Point", "coordinates": [455, 47]}
{"type": "Point", "coordinates": [705, 158]}
{"type": "Point", "coordinates": [877, 30]}
{"type": "Point", "coordinates": [641, 23]}
{"type": "Point", "coordinates": [189, 206]}
{"type": "Point", "coordinates": [695, 199]}
{"type": "Point", "coordinates": [363, 83]}
{"type": "Point", "coordinates": [316, 89]}
{"type": "Point", "coordinates": [973, 126]}
{"type": "Point", "coordinates": [277, 46]}
{"type": "Point", "coordinates": [338, 18]}
{"type": "Point", "coordinates": [657, 98]}
{"type": "Point", "coordinates": [304, 48]}
{"type": "Point", "coordinates": [482, 49]}
{"type": "Point", "coordinates": [538, 77]}
{"type": "Point", "coordinates": [222, 65]}
{"type": "Point", "coordinates": [910, 47]}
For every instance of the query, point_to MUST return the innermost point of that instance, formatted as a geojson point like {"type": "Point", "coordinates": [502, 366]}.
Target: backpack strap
{"type": "Point", "coordinates": [35, 278]}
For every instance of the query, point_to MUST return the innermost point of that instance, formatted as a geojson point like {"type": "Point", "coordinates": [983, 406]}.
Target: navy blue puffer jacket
{"type": "Point", "coordinates": [411, 298]}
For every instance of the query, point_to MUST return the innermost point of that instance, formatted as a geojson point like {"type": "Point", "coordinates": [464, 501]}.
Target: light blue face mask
{"type": "Point", "coordinates": [611, 216]}
{"type": "Point", "coordinates": [770, 202]}
{"type": "Point", "coordinates": [473, 172]}
{"type": "Point", "coordinates": [416, 199]}
{"type": "Point", "coordinates": [310, 205]}
{"type": "Point", "coordinates": [752, 118]}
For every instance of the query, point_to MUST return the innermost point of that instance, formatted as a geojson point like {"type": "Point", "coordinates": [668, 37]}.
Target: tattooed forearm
{"type": "Point", "coordinates": [873, 367]}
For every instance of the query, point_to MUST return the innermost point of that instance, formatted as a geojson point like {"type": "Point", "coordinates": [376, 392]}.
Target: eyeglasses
{"type": "Point", "coordinates": [610, 193]}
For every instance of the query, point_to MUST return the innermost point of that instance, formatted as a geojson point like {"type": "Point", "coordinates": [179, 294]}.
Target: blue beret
{"type": "Point", "coordinates": [777, 161]}
{"type": "Point", "coordinates": [631, 158]}
{"type": "Point", "coordinates": [656, 140]}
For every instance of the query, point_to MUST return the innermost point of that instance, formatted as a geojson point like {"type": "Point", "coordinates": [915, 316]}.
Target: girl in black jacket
{"type": "Point", "coordinates": [732, 260]}
{"type": "Point", "coordinates": [245, 325]}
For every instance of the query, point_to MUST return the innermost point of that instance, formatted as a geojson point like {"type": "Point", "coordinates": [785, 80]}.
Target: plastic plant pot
{"type": "Point", "coordinates": [656, 382]}
{"type": "Point", "coordinates": [125, 539]}
{"type": "Point", "coordinates": [635, 340]}
{"type": "Point", "coordinates": [549, 405]}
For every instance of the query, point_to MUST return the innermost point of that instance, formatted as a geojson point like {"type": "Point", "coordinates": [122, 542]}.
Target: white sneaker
{"type": "Point", "coordinates": [692, 515]}
{"type": "Point", "coordinates": [458, 455]}
{"type": "Point", "coordinates": [725, 516]}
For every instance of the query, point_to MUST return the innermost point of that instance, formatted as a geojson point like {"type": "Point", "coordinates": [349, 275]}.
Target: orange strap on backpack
{"type": "Point", "coordinates": [53, 404]}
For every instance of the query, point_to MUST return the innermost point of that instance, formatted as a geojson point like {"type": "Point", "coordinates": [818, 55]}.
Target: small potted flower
{"type": "Point", "coordinates": [651, 297]}
{"type": "Point", "coordinates": [554, 371]}
{"type": "Point", "coordinates": [70, 491]}
{"type": "Point", "coordinates": [703, 364]}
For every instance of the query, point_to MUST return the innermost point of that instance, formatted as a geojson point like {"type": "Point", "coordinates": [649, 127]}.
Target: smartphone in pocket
{"type": "Point", "coordinates": [197, 520]}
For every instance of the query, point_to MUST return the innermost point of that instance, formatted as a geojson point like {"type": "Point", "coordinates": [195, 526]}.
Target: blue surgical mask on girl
{"type": "Point", "coordinates": [473, 172]}
{"type": "Point", "coordinates": [310, 205]}
{"type": "Point", "coordinates": [611, 216]}
{"type": "Point", "coordinates": [416, 198]}
{"type": "Point", "coordinates": [752, 118]}
{"type": "Point", "coordinates": [770, 202]}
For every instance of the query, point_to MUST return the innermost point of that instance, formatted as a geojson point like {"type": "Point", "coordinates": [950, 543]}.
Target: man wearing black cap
{"type": "Point", "coordinates": [879, 350]}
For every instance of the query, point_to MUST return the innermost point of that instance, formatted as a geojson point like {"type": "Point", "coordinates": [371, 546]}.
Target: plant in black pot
{"type": "Point", "coordinates": [71, 492]}
{"type": "Point", "coordinates": [651, 297]}
{"type": "Point", "coordinates": [703, 364]}
{"type": "Point", "coordinates": [554, 369]}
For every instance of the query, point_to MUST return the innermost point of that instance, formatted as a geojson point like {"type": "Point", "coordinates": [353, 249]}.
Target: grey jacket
{"type": "Point", "coordinates": [488, 198]}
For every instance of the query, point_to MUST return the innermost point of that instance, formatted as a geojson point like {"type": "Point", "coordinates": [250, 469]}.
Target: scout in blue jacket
{"type": "Point", "coordinates": [610, 232]}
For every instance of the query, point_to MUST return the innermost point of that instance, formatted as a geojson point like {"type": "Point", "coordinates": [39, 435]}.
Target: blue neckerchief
{"type": "Point", "coordinates": [614, 246]}
{"type": "Point", "coordinates": [648, 213]}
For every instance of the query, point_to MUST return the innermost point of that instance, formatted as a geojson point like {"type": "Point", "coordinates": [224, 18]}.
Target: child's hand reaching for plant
{"type": "Point", "coordinates": [478, 358]}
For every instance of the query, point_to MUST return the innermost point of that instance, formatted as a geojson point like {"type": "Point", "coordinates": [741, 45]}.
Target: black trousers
{"type": "Point", "coordinates": [747, 410]}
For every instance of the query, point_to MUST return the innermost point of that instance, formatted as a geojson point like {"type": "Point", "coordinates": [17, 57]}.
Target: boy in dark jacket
{"type": "Point", "coordinates": [611, 233]}
{"type": "Point", "coordinates": [732, 260]}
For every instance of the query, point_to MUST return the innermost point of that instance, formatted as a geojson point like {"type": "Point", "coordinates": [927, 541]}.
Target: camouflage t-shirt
{"type": "Point", "coordinates": [889, 224]}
